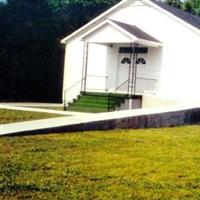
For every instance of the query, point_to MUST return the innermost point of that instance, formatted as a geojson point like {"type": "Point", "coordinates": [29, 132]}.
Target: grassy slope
{"type": "Point", "coordinates": [9, 116]}
{"type": "Point", "coordinates": [121, 164]}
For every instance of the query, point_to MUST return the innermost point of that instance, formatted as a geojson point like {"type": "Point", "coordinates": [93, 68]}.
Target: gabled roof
{"type": "Point", "coordinates": [185, 16]}
{"type": "Point", "coordinates": [192, 21]}
{"type": "Point", "coordinates": [134, 30]}
{"type": "Point", "coordinates": [129, 34]}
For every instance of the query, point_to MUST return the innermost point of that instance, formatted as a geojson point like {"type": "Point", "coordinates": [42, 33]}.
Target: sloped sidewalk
{"type": "Point", "coordinates": [141, 118]}
{"type": "Point", "coordinates": [38, 125]}
{"type": "Point", "coordinates": [20, 107]}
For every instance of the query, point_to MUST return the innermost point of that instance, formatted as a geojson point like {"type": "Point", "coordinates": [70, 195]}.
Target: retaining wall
{"type": "Point", "coordinates": [157, 120]}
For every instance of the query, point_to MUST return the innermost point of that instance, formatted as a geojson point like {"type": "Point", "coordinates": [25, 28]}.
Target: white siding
{"type": "Point", "coordinates": [107, 34]}
{"type": "Point", "coordinates": [73, 69]}
{"type": "Point", "coordinates": [180, 66]}
{"type": "Point", "coordinates": [176, 65]}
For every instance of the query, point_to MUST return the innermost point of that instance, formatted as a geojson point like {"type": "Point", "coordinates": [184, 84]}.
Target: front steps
{"type": "Point", "coordinates": [96, 102]}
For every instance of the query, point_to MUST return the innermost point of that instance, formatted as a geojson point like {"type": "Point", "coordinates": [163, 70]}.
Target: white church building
{"type": "Point", "coordinates": [137, 47]}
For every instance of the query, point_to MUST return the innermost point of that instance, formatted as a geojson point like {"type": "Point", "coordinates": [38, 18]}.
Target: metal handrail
{"type": "Point", "coordinates": [119, 99]}
{"type": "Point", "coordinates": [68, 89]}
{"type": "Point", "coordinates": [121, 85]}
{"type": "Point", "coordinates": [146, 78]}
{"type": "Point", "coordinates": [95, 89]}
{"type": "Point", "coordinates": [98, 76]}
{"type": "Point", "coordinates": [75, 84]}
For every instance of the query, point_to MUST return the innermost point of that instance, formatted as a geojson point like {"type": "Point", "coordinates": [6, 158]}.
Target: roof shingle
{"type": "Point", "coordinates": [134, 30]}
{"type": "Point", "coordinates": [185, 16]}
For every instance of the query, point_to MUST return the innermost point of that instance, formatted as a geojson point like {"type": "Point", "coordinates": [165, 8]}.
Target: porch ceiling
{"type": "Point", "coordinates": [114, 32]}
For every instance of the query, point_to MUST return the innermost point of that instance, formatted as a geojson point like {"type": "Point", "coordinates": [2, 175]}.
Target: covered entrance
{"type": "Point", "coordinates": [117, 64]}
{"type": "Point", "coordinates": [131, 61]}
{"type": "Point", "coordinates": [118, 56]}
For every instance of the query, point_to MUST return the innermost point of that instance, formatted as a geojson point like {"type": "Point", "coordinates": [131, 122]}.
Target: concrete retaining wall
{"type": "Point", "coordinates": [157, 120]}
{"type": "Point", "coordinates": [169, 119]}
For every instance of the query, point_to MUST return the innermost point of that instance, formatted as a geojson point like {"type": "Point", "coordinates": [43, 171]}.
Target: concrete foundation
{"type": "Point", "coordinates": [134, 119]}
{"type": "Point", "coordinates": [169, 119]}
{"type": "Point", "coordinates": [150, 101]}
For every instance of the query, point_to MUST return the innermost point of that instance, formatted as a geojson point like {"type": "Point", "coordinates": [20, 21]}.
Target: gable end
{"type": "Point", "coordinates": [183, 15]}
{"type": "Point", "coordinates": [192, 21]}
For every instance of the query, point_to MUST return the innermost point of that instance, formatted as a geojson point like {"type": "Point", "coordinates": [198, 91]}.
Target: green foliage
{"type": "Point", "coordinates": [10, 116]}
{"type": "Point", "coordinates": [79, 12]}
{"type": "Point", "coordinates": [30, 66]}
{"type": "Point", "coordinates": [31, 30]}
{"type": "Point", "coordinates": [121, 164]}
{"type": "Point", "coordinates": [191, 6]}
{"type": "Point", "coordinates": [31, 56]}
{"type": "Point", "coordinates": [175, 3]}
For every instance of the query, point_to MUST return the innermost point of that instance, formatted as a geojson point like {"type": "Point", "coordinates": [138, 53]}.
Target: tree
{"type": "Point", "coordinates": [31, 62]}
{"type": "Point", "coordinates": [174, 3]}
{"type": "Point", "coordinates": [191, 6]}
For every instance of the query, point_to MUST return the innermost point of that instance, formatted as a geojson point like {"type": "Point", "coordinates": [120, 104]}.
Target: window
{"type": "Point", "coordinates": [138, 50]}
{"type": "Point", "coordinates": [126, 60]}
{"type": "Point", "coordinates": [125, 50]}
{"type": "Point", "coordinates": [141, 50]}
{"type": "Point", "coordinates": [141, 61]}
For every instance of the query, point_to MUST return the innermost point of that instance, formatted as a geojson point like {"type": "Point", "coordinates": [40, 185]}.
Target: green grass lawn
{"type": "Point", "coordinates": [121, 164]}
{"type": "Point", "coordinates": [59, 108]}
{"type": "Point", "coordinates": [10, 116]}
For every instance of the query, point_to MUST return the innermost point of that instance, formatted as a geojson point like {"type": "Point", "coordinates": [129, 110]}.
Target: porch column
{"type": "Point", "coordinates": [85, 67]}
{"type": "Point", "coordinates": [130, 82]}
{"type": "Point", "coordinates": [135, 67]}
{"type": "Point", "coordinates": [132, 70]}
{"type": "Point", "coordinates": [132, 73]}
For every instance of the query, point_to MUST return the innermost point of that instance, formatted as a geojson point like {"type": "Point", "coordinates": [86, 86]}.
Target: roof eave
{"type": "Point", "coordinates": [107, 21]}
{"type": "Point", "coordinates": [132, 38]}
{"type": "Point", "coordinates": [149, 43]}
{"type": "Point", "coordinates": [104, 15]}
{"type": "Point", "coordinates": [193, 28]}
{"type": "Point", "coordinates": [100, 17]}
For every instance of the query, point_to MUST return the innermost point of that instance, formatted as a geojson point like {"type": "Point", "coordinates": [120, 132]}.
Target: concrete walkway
{"type": "Point", "coordinates": [42, 110]}
{"type": "Point", "coordinates": [31, 104]}
{"type": "Point", "coordinates": [140, 118]}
